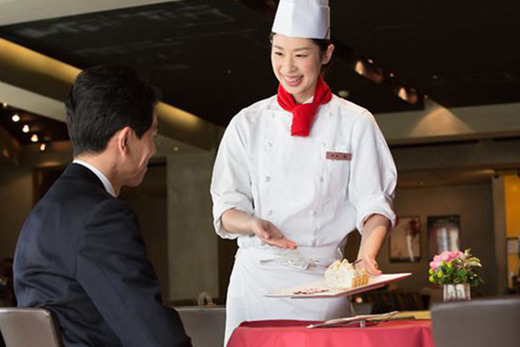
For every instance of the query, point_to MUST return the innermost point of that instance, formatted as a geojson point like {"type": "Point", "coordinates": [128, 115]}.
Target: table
{"type": "Point", "coordinates": [293, 333]}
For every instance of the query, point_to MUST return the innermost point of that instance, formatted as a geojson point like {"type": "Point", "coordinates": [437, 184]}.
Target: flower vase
{"type": "Point", "coordinates": [456, 292]}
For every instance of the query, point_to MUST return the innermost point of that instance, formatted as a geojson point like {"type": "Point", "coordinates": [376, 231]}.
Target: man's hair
{"type": "Point", "coordinates": [104, 100]}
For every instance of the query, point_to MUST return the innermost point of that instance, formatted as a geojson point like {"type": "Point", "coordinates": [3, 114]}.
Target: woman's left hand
{"type": "Point", "coordinates": [370, 264]}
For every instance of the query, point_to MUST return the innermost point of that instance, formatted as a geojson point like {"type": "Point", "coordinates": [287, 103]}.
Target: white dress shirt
{"type": "Point", "coordinates": [106, 183]}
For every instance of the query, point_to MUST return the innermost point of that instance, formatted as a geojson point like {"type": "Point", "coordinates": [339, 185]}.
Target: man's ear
{"type": "Point", "coordinates": [122, 138]}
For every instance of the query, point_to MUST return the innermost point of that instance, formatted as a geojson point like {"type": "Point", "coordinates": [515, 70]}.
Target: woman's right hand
{"type": "Point", "coordinates": [270, 234]}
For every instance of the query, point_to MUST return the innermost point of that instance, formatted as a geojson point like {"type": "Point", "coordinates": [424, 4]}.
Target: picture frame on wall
{"type": "Point", "coordinates": [405, 240]}
{"type": "Point", "coordinates": [443, 234]}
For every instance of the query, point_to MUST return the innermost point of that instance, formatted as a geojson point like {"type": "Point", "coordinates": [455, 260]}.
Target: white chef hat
{"type": "Point", "coordinates": [308, 19]}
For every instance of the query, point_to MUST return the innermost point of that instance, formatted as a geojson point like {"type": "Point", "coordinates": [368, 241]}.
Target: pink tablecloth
{"type": "Point", "coordinates": [291, 333]}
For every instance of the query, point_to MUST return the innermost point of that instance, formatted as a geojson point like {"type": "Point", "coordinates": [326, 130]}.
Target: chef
{"type": "Point", "coordinates": [295, 174]}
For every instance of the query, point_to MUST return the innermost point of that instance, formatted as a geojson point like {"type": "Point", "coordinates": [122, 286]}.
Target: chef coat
{"type": "Point", "coordinates": [315, 189]}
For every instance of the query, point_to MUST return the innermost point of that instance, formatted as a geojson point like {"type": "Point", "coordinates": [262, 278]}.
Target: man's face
{"type": "Point", "coordinates": [141, 150]}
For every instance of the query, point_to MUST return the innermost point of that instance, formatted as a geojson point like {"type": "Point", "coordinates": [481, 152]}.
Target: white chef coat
{"type": "Point", "coordinates": [314, 200]}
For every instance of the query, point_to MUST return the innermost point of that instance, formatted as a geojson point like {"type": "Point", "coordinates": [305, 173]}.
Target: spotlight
{"type": "Point", "coordinates": [368, 70]}
{"type": "Point", "coordinates": [15, 118]}
{"type": "Point", "coordinates": [360, 68]}
{"type": "Point", "coordinates": [408, 95]}
{"type": "Point", "coordinates": [26, 128]}
{"type": "Point", "coordinates": [43, 146]}
{"type": "Point", "coordinates": [343, 93]}
{"type": "Point", "coordinates": [401, 93]}
{"type": "Point", "coordinates": [34, 138]}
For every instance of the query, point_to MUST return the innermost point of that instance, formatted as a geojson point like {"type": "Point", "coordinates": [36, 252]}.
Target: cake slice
{"type": "Point", "coordinates": [343, 275]}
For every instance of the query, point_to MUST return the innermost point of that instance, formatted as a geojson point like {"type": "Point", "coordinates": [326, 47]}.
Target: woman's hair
{"type": "Point", "coordinates": [323, 45]}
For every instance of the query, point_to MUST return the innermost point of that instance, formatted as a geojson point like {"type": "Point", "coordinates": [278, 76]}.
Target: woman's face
{"type": "Point", "coordinates": [297, 64]}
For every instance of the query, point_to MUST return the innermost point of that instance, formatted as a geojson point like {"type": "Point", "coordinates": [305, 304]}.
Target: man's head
{"type": "Point", "coordinates": [112, 121]}
{"type": "Point", "coordinates": [104, 100]}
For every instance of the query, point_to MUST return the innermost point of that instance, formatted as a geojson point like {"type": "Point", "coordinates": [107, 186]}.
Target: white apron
{"type": "Point", "coordinates": [259, 272]}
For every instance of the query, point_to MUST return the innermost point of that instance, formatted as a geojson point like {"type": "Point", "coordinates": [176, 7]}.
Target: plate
{"type": "Point", "coordinates": [319, 288]}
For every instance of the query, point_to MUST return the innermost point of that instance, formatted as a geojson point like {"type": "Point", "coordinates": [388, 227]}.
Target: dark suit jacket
{"type": "Point", "coordinates": [80, 255]}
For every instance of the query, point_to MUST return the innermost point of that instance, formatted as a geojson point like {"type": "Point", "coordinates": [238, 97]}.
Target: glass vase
{"type": "Point", "coordinates": [456, 292]}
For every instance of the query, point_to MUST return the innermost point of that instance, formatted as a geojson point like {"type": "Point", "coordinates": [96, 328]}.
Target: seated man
{"type": "Point", "coordinates": [80, 253]}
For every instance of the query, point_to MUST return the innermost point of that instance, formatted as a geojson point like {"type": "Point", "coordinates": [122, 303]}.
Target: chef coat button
{"type": "Point", "coordinates": [321, 178]}
{"type": "Point", "coordinates": [269, 212]}
{"type": "Point", "coordinates": [267, 178]}
{"type": "Point", "coordinates": [324, 144]}
{"type": "Point", "coordinates": [312, 213]}
{"type": "Point", "coordinates": [272, 115]}
{"type": "Point", "coordinates": [314, 242]}
{"type": "Point", "coordinates": [269, 143]}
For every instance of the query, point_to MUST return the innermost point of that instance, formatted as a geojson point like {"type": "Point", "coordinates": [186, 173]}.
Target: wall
{"type": "Point", "coordinates": [149, 202]}
{"type": "Point", "coordinates": [512, 209]}
{"type": "Point", "coordinates": [16, 202]}
{"type": "Point", "coordinates": [474, 205]}
{"type": "Point", "coordinates": [192, 242]}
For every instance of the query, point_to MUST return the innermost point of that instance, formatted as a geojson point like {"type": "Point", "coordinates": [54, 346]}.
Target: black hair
{"type": "Point", "coordinates": [104, 100]}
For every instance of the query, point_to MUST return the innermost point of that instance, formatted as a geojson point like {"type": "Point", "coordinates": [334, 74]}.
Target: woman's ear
{"type": "Point", "coordinates": [327, 56]}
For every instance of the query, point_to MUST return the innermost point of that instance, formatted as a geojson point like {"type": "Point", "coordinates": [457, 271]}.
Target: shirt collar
{"type": "Point", "coordinates": [106, 183]}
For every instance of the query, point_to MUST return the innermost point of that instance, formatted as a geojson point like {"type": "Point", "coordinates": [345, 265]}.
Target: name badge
{"type": "Point", "coordinates": [339, 156]}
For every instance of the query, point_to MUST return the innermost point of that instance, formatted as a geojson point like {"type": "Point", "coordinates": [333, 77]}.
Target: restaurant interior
{"type": "Point", "coordinates": [442, 79]}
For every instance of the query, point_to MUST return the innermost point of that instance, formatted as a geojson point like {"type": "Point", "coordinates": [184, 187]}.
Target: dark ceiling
{"type": "Point", "coordinates": [211, 57]}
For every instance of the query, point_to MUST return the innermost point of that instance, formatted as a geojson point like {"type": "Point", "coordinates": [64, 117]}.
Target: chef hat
{"type": "Point", "coordinates": [303, 18]}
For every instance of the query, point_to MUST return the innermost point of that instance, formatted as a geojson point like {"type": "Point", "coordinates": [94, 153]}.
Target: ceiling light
{"type": "Point", "coordinates": [43, 146]}
{"type": "Point", "coordinates": [391, 74]}
{"type": "Point", "coordinates": [175, 148]}
{"type": "Point", "coordinates": [15, 117]}
{"type": "Point", "coordinates": [4, 104]}
{"type": "Point", "coordinates": [401, 93]}
{"type": "Point", "coordinates": [408, 95]}
{"type": "Point", "coordinates": [360, 68]}
{"type": "Point", "coordinates": [26, 128]}
{"type": "Point", "coordinates": [343, 93]}
{"type": "Point", "coordinates": [370, 61]}
{"type": "Point", "coordinates": [34, 138]}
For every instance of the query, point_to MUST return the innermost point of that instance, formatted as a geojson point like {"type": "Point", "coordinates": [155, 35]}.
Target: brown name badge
{"type": "Point", "coordinates": [339, 156]}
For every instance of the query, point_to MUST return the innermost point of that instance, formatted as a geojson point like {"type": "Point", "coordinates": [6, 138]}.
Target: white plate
{"type": "Point", "coordinates": [319, 288]}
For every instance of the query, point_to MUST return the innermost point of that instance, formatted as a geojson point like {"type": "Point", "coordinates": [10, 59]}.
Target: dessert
{"type": "Point", "coordinates": [343, 275]}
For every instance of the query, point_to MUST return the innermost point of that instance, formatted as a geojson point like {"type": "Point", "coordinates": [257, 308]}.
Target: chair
{"type": "Point", "coordinates": [28, 327]}
{"type": "Point", "coordinates": [205, 325]}
{"type": "Point", "coordinates": [480, 322]}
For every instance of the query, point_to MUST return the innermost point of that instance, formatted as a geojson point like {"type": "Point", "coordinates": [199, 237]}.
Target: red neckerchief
{"type": "Point", "coordinates": [303, 114]}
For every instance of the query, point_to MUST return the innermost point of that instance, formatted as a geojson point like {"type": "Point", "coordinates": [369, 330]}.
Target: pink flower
{"type": "Point", "coordinates": [446, 256]}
